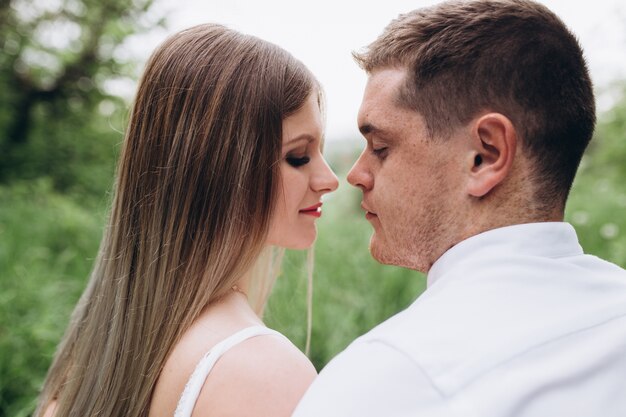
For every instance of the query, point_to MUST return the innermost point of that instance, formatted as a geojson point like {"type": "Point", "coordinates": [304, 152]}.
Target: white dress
{"type": "Point", "coordinates": [196, 381]}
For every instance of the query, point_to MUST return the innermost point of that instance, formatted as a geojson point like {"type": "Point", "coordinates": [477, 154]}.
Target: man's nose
{"type": "Point", "coordinates": [359, 175]}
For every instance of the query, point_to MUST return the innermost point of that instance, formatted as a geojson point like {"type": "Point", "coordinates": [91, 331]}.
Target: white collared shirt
{"type": "Point", "coordinates": [515, 322]}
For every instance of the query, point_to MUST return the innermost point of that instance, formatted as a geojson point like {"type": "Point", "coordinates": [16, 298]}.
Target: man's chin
{"type": "Point", "coordinates": [378, 250]}
{"type": "Point", "coordinates": [387, 255]}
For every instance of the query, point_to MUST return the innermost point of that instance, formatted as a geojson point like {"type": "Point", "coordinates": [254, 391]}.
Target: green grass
{"type": "Point", "coordinates": [47, 244]}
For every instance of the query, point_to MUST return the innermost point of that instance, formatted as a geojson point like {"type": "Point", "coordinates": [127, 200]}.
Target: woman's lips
{"type": "Point", "coordinates": [315, 210]}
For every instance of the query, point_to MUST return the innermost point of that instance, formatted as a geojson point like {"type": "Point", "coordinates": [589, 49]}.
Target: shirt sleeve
{"type": "Point", "coordinates": [371, 378]}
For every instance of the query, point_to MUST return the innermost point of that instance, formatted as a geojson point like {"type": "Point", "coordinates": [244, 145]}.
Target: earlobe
{"type": "Point", "coordinates": [493, 146]}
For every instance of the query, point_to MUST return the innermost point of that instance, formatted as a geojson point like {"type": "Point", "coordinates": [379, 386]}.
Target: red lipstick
{"type": "Point", "coordinates": [315, 210]}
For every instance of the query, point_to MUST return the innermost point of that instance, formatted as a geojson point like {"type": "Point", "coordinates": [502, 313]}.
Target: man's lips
{"type": "Point", "coordinates": [314, 210]}
{"type": "Point", "coordinates": [370, 216]}
{"type": "Point", "coordinates": [368, 213]}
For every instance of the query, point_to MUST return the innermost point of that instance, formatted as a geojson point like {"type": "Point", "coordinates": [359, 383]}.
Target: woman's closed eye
{"type": "Point", "coordinates": [297, 161]}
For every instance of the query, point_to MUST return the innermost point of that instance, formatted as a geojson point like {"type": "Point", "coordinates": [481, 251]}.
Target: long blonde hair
{"type": "Point", "coordinates": [195, 189]}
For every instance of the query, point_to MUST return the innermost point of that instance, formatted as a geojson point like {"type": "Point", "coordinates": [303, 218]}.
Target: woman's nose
{"type": "Point", "coordinates": [325, 180]}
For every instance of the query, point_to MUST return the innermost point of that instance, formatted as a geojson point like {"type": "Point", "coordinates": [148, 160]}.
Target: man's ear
{"type": "Point", "coordinates": [493, 146]}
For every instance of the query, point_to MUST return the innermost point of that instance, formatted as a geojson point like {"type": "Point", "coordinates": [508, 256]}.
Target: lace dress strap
{"type": "Point", "coordinates": [192, 390]}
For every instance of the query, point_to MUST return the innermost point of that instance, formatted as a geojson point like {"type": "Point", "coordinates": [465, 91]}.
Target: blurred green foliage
{"type": "Point", "coordinates": [61, 125]}
{"type": "Point", "coordinates": [58, 63]}
{"type": "Point", "coordinates": [597, 203]}
{"type": "Point", "coordinates": [55, 176]}
{"type": "Point", "coordinates": [47, 244]}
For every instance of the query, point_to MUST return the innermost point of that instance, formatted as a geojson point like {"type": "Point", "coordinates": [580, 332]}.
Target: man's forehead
{"type": "Point", "coordinates": [381, 108]}
{"type": "Point", "coordinates": [382, 90]}
{"type": "Point", "coordinates": [385, 83]}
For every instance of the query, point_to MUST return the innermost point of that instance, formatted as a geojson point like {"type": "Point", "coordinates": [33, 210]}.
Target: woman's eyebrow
{"type": "Point", "coordinates": [305, 136]}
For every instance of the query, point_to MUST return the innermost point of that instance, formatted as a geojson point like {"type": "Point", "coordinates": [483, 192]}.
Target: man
{"type": "Point", "coordinates": [476, 115]}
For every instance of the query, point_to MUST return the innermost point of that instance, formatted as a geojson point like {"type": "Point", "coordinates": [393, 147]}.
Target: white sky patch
{"type": "Point", "coordinates": [323, 34]}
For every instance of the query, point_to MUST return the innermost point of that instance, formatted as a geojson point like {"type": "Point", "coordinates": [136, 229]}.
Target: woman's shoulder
{"type": "Point", "coordinates": [264, 375]}
{"type": "Point", "coordinates": [258, 372]}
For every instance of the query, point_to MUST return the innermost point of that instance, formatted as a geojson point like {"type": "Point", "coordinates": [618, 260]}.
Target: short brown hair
{"type": "Point", "coordinates": [514, 57]}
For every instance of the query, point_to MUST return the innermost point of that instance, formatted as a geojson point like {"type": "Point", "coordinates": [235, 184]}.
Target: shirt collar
{"type": "Point", "coordinates": [549, 240]}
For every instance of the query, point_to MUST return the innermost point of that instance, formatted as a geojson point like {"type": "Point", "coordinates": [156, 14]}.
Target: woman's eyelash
{"type": "Point", "coordinates": [297, 161]}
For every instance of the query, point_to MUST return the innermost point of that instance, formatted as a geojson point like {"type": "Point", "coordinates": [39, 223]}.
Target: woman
{"type": "Point", "coordinates": [221, 161]}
